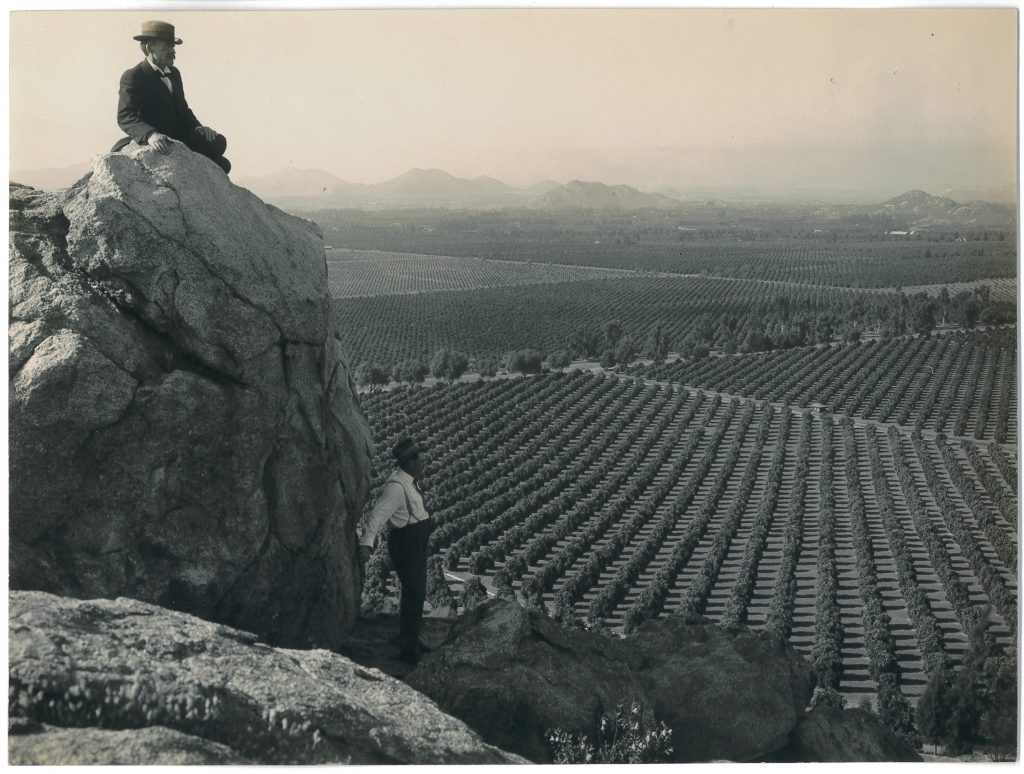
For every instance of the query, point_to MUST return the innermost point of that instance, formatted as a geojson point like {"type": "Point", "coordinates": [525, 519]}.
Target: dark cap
{"type": "Point", "coordinates": [404, 450]}
{"type": "Point", "coordinates": [157, 30]}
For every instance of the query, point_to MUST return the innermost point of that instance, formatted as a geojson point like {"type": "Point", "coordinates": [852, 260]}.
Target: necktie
{"type": "Point", "coordinates": [168, 82]}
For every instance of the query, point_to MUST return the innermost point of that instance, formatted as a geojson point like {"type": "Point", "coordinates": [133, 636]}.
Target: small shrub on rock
{"type": "Point", "coordinates": [828, 697]}
{"type": "Point", "coordinates": [473, 592]}
{"type": "Point", "coordinates": [439, 594]}
{"type": "Point", "coordinates": [625, 736]}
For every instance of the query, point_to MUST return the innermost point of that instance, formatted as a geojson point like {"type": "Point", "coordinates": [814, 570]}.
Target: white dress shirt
{"type": "Point", "coordinates": [396, 497]}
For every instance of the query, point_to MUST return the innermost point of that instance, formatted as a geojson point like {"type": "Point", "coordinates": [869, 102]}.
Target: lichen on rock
{"type": "Point", "coordinates": [122, 681]}
{"type": "Point", "coordinates": [183, 426]}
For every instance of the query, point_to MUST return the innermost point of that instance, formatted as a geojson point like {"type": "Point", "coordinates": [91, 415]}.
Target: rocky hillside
{"type": "Point", "coordinates": [183, 426]}
{"type": "Point", "coordinates": [578, 194]}
{"type": "Point", "coordinates": [921, 210]}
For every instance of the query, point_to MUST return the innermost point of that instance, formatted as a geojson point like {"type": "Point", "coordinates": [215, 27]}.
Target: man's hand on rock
{"type": "Point", "coordinates": [207, 133]}
{"type": "Point", "coordinates": [160, 142]}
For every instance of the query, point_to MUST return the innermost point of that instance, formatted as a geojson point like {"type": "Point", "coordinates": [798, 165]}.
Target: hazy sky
{"type": "Point", "coordinates": [880, 99]}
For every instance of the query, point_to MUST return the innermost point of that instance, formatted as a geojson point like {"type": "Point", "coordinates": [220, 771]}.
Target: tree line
{"type": "Point", "coordinates": [610, 344]}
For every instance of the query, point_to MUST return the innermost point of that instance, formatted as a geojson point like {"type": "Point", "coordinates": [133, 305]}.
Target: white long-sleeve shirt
{"type": "Point", "coordinates": [397, 495]}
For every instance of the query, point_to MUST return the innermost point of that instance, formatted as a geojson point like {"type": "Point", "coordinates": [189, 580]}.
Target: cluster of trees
{"type": "Point", "coordinates": [893, 707]}
{"type": "Point", "coordinates": [914, 380]}
{"type": "Point", "coordinates": [895, 390]}
{"type": "Point", "coordinates": [652, 598]}
{"type": "Point", "coordinates": [955, 589]}
{"type": "Point", "coordinates": [623, 530]}
{"type": "Point", "coordinates": [614, 346]}
{"type": "Point", "coordinates": [1004, 545]}
{"type": "Point", "coordinates": [561, 485]}
{"type": "Point", "coordinates": [631, 480]}
{"type": "Point", "coordinates": [472, 468]}
{"type": "Point", "coordinates": [1006, 393]}
{"type": "Point", "coordinates": [743, 588]}
{"type": "Point", "coordinates": [628, 440]}
{"type": "Point", "coordinates": [446, 364]}
{"type": "Point", "coordinates": [975, 707]}
{"type": "Point", "coordinates": [1007, 468]}
{"type": "Point", "coordinates": [989, 577]}
{"type": "Point", "coordinates": [696, 597]}
{"type": "Point", "coordinates": [929, 635]}
{"type": "Point", "coordinates": [826, 655]}
{"type": "Point", "coordinates": [867, 388]}
{"type": "Point", "coordinates": [551, 422]}
{"type": "Point", "coordinates": [779, 620]}
{"type": "Point", "coordinates": [958, 356]}
{"type": "Point", "coordinates": [970, 393]}
{"type": "Point", "coordinates": [611, 594]}
{"type": "Point", "coordinates": [1005, 499]}
{"type": "Point", "coordinates": [503, 481]}
{"type": "Point", "coordinates": [983, 400]}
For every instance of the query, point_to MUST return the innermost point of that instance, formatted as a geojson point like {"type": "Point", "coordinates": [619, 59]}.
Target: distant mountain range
{"type": "Point", "coordinates": [313, 189]}
{"type": "Point", "coordinates": [316, 189]}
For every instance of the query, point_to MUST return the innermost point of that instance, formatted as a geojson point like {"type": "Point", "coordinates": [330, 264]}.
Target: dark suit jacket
{"type": "Point", "coordinates": [144, 105]}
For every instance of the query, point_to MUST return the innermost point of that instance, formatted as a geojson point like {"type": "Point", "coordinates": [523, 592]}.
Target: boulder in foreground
{"type": "Point", "coordinates": [165, 684]}
{"type": "Point", "coordinates": [834, 735]}
{"type": "Point", "coordinates": [512, 675]}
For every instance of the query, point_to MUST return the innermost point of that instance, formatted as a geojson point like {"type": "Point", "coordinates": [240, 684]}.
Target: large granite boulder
{"type": "Point", "coordinates": [835, 735]}
{"type": "Point", "coordinates": [183, 426]}
{"type": "Point", "coordinates": [727, 694]}
{"type": "Point", "coordinates": [158, 746]}
{"type": "Point", "coordinates": [513, 675]}
{"type": "Point", "coordinates": [122, 681]}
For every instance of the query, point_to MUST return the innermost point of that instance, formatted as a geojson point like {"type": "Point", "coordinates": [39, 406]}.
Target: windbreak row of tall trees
{"type": "Point", "coordinates": [611, 344]}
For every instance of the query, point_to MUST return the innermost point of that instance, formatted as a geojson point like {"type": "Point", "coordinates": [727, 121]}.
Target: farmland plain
{"type": "Point", "coordinates": [848, 481]}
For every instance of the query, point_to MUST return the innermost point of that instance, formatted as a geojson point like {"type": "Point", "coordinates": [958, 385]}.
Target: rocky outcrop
{"type": "Point", "coordinates": [512, 675]}
{"type": "Point", "coordinates": [122, 681]}
{"type": "Point", "coordinates": [158, 746]}
{"type": "Point", "coordinates": [183, 426]}
{"type": "Point", "coordinates": [728, 694]}
{"type": "Point", "coordinates": [835, 735]}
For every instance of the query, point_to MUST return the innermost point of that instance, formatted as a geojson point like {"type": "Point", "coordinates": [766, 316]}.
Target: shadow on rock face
{"type": "Point", "coordinates": [513, 675]}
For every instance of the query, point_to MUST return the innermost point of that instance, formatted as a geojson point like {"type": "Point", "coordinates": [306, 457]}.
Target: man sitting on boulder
{"type": "Point", "coordinates": [151, 106]}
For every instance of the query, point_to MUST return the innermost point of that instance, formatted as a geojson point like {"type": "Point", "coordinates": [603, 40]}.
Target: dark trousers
{"type": "Point", "coordinates": [407, 547]}
{"type": "Point", "coordinates": [213, 150]}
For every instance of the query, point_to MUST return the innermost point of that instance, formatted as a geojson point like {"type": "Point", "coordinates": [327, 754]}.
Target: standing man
{"type": "Point", "coordinates": [401, 505]}
{"type": "Point", "coordinates": [151, 106]}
